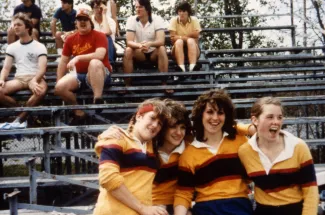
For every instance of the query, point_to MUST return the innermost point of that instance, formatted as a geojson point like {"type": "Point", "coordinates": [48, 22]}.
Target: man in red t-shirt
{"type": "Point", "coordinates": [89, 67]}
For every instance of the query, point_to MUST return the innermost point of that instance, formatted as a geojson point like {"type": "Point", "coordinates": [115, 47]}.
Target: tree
{"type": "Point", "coordinates": [319, 11]}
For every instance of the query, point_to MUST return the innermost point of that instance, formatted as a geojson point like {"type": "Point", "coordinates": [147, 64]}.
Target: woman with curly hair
{"type": "Point", "coordinates": [210, 165]}
{"type": "Point", "coordinates": [128, 164]}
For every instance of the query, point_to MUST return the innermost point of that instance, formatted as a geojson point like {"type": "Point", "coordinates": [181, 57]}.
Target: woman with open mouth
{"type": "Point", "coordinates": [280, 164]}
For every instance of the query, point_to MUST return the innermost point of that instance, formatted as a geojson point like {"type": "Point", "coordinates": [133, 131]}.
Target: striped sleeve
{"type": "Point", "coordinates": [111, 152]}
{"type": "Point", "coordinates": [186, 182]}
{"type": "Point", "coordinates": [308, 180]}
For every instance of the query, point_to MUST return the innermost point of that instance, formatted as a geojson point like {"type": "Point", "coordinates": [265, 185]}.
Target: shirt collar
{"type": "Point", "coordinates": [179, 150]}
{"type": "Point", "coordinates": [198, 144]}
{"type": "Point", "coordinates": [188, 20]}
{"type": "Point", "coordinates": [290, 141]}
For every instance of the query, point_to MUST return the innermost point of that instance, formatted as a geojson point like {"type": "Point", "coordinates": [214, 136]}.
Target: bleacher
{"type": "Point", "coordinates": [294, 74]}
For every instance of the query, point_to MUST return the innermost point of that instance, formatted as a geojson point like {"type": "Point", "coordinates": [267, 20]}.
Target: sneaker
{"type": "Point", "coordinates": [99, 101]}
{"type": "Point", "coordinates": [17, 124]}
{"type": "Point", "coordinates": [5, 126]}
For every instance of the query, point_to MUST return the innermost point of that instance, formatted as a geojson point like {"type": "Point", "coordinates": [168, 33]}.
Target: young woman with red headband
{"type": "Point", "coordinates": [128, 164]}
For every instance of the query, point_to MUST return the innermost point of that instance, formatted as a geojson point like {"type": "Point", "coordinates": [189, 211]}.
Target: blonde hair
{"type": "Point", "coordinates": [257, 108]}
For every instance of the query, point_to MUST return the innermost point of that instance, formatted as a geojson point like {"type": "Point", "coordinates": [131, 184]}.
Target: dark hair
{"type": "Point", "coordinates": [97, 2]}
{"type": "Point", "coordinates": [178, 115]}
{"type": "Point", "coordinates": [26, 20]}
{"type": "Point", "coordinates": [184, 6]}
{"type": "Point", "coordinates": [147, 6]}
{"type": "Point", "coordinates": [68, 1]}
{"type": "Point", "coordinates": [222, 100]}
{"type": "Point", "coordinates": [257, 108]}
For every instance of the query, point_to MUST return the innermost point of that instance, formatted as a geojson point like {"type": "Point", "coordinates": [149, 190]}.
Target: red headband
{"type": "Point", "coordinates": [145, 109]}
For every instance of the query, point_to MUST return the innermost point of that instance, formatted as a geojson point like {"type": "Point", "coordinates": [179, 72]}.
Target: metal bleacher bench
{"type": "Point", "coordinates": [204, 30]}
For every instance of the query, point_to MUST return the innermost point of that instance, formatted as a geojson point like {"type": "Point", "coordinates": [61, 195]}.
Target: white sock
{"type": "Point", "coordinates": [192, 67]}
{"type": "Point", "coordinates": [59, 50]}
{"type": "Point", "coordinates": [182, 67]}
{"type": "Point", "coordinates": [17, 119]}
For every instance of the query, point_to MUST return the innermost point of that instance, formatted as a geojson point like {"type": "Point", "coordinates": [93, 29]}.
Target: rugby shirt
{"type": "Point", "coordinates": [289, 179]}
{"type": "Point", "coordinates": [125, 161]}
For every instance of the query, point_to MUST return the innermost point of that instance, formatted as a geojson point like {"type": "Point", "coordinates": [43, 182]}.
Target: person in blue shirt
{"type": "Point", "coordinates": [67, 16]}
{"type": "Point", "coordinates": [34, 13]}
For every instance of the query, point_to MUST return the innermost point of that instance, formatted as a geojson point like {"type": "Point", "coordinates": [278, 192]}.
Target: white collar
{"type": "Point", "coordinates": [179, 150]}
{"type": "Point", "coordinates": [213, 150]}
{"type": "Point", "coordinates": [290, 142]}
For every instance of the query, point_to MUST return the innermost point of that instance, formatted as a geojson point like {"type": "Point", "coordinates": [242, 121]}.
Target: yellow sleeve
{"type": "Point", "coordinates": [185, 184]}
{"type": "Point", "coordinates": [196, 24]}
{"type": "Point", "coordinates": [111, 155]}
{"type": "Point", "coordinates": [308, 180]}
{"type": "Point", "coordinates": [243, 129]}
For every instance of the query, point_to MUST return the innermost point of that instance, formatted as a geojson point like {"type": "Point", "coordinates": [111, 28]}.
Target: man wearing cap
{"type": "Point", "coordinates": [67, 16]}
{"type": "Point", "coordinates": [89, 68]}
{"type": "Point", "coordinates": [34, 13]}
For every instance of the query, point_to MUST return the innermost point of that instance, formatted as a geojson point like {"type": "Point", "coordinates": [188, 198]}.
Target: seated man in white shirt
{"type": "Point", "coordinates": [145, 38]}
{"type": "Point", "coordinates": [30, 59]}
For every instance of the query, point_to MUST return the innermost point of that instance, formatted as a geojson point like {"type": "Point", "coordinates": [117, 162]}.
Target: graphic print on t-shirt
{"type": "Point", "coordinates": [77, 49]}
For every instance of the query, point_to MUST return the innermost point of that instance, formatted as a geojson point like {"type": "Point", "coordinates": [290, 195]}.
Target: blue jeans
{"type": "Point", "coordinates": [111, 50]}
{"type": "Point", "coordinates": [232, 206]}
{"type": "Point", "coordinates": [83, 80]}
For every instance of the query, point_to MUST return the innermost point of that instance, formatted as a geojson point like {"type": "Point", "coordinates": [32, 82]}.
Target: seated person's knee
{"type": "Point", "coordinates": [59, 89]}
{"type": "Point", "coordinates": [162, 50]}
{"type": "Point", "coordinates": [58, 35]}
{"type": "Point", "coordinates": [94, 63]}
{"type": "Point", "coordinates": [128, 53]}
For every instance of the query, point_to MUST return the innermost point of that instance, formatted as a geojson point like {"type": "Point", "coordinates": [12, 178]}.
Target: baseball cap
{"type": "Point", "coordinates": [83, 12]}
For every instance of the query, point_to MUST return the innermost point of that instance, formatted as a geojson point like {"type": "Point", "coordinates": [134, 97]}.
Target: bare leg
{"type": "Point", "coordinates": [160, 55]}
{"type": "Point", "coordinates": [10, 88]}
{"type": "Point", "coordinates": [128, 64]}
{"type": "Point", "coordinates": [34, 100]}
{"type": "Point", "coordinates": [162, 59]}
{"type": "Point", "coordinates": [64, 88]}
{"type": "Point", "coordinates": [96, 77]}
{"type": "Point", "coordinates": [178, 51]}
{"type": "Point", "coordinates": [129, 56]}
{"type": "Point", "coordinates": [58, 40]}
{"type": "Point", "coordinates": [35, 34]}
{"type": "Point", "coordinates": [193, 51]}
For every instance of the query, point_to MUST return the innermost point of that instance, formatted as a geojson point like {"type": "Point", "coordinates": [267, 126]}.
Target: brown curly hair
{"type": "Point", "coordinates": [222, 100]}
{"type": "Point", "coordinates": [178, 115]}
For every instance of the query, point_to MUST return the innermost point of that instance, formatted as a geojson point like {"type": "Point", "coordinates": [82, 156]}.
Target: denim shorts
{"type": "Point", "coordinates": [83, 83]}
